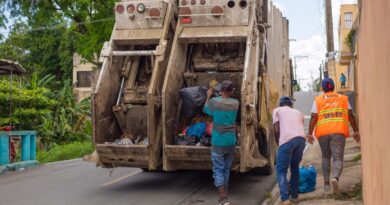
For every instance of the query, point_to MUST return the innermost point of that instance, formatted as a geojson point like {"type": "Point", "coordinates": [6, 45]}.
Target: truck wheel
{"type": "Point", "coordinates": [267, 149]}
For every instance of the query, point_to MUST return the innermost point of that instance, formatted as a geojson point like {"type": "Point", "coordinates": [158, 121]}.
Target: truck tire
{"type": "Point", "coordinates": [267, 149]}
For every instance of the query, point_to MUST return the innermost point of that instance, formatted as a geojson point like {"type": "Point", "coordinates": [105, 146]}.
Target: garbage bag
{"type": "Point", "coordinates": [193, 100]}
{"type": "Point", "coordinates": [307, 179]}
{"type": "Point", "coordinates": [197, 130]}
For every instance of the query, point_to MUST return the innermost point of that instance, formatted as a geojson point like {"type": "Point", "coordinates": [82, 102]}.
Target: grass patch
{"type": "Point", "coordinates": [65, 152]}
{"type": "Point", "coordinates": [357, 158]}
{"type": "Point", "coordinates": [268, 195]}
{"type": "Point", "coordinates": [354, 193]}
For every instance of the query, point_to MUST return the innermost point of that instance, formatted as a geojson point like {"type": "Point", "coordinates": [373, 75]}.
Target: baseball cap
{"type": "Point", "coordinates": [285, 100]}
{"type": "Point", "coordinates": [227, 85]}
{"type": "Point", "coordinates": [327, 84]}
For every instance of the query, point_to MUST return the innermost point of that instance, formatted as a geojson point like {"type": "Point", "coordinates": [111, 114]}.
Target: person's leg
{"type": "Point", "coordinates": [324, 142]}
{"type": "Point", "coordinates": [218, 161]}
{"type": "Point", "coordinates": [228, 164]}
{"type": "Point", "coordinates": [282, 163]}
{"type": "Point", "coordinates": [294, 167]}
{"type": "Point", "coordinates": [337, 145]}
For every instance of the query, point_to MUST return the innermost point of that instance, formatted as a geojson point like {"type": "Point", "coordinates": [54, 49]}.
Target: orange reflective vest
{"type": "Point", "coordinates": [332, 114]}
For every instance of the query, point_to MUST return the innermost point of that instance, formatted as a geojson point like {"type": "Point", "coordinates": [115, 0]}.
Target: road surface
{"type": "Point", "coordinates": [81, 183]}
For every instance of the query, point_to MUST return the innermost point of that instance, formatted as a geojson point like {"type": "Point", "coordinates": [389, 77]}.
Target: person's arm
{"type": "Point", "coordinates": [206, 108]}
{"type": "Point", "coordinates": [277, 132]}
{"type": "Point", "coordinates": [313, 122]}
{"type": "Point", "coordinates": [355, 128]}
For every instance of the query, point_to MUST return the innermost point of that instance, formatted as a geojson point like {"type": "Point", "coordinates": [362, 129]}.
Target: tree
{"type": "Point", "coordinates": [90, 22]}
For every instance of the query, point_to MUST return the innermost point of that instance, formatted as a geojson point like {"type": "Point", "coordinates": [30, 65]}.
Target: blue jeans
{"type": "Point", "coordinates": [221, 168]}
{"type": "Point", "coordinates": [289, 154]}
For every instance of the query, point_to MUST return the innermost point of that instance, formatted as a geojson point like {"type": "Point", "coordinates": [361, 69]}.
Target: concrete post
{"type": "Point", "coordinates": [33, 147]}
{"type": "Point", "coordinates": [4, 149]}
{"type": "Point", "coordinates": [26, 147]}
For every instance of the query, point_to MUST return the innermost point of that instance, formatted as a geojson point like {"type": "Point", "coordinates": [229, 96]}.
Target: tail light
{"type": "Point", "coordinates": [186, 20]}
{"type": "Point", "coordinates": [140, 8]}
{"type": "Point", "coordinates": [243, 4]}
{"type": "Point", "coordinates": [120, 9]}
{"type": "Point", "coordinates": [217, 11]}
{"type": "Point", "coordinates": [184, 11]}
{"type": "Point", "coordinates": [130, 8]}
{"type": "Point", "coordinates": [231, 4]}
{"type": "Point", "coordinates": [154, 12]}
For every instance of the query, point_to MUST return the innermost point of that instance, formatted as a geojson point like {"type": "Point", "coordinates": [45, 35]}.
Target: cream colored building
{"type": "Point", "coordinates": [82, 78]}
{"type": "Point", "coordinates": [348, 15]}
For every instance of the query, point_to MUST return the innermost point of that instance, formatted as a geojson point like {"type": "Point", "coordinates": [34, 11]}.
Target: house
{"type": "Point", "coordinates": [82, 77]}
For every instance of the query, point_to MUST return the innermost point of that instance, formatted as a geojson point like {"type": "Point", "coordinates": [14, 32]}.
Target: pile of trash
{"type": "Point", "coordinates": [130, 140]}
{"type": "Point", "coordinates": [198, 133]}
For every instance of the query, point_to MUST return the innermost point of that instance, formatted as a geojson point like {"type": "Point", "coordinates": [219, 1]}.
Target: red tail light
{"type": "Point", "coordinates": [154, 12]}
{"type": "Point", "coordinates": [120, 9]}
{"type": "Point", "coordinates": [130, 8]}
{"type": "Point", "coordinates": [217, 11]}
{"type": "Point", "coordinates": [186, 20]}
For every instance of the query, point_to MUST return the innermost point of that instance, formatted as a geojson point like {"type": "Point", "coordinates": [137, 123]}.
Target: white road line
{"type": "Point", "coordinates": [62, 162]}
{"type": "Point", "coordinates": [122, 178]}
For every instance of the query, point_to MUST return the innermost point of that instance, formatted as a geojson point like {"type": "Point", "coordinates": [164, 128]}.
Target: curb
{"type": "Point", "coordinates": [274, 196]}
{"type": "Point", "coordinates": [18, 165]}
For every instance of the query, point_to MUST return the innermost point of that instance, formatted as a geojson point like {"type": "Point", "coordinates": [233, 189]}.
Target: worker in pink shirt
{"type": "Point", "coordinates": [290, 136]}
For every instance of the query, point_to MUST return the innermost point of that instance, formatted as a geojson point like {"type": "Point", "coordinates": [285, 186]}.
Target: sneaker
{"type": "Point", "coordinates": [287, 202]}
{"type": "Point", "coordinates": [224, 202]}
{"type": "Point", "coordinates": [295, 201]}
{"type": "Point", "coordinates": [326, 187]}
{"type": "Point", "coordinates": [335, 186]}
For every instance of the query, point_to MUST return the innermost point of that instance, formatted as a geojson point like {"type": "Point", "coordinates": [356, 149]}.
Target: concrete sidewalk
{"type": "Point", "coordinates": [350, 180]}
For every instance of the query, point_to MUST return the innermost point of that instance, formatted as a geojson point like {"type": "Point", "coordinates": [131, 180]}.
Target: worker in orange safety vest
{"type": "Point", "coordinates": [331, 116]}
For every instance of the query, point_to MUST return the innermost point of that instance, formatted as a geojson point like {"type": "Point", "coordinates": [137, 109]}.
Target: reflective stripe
{"type": "Point", "coordinates": [321, 122]}
{"type": "Point", "coordinates": [332, 110]}
{"type": "Point", "coordinates": [224, 128]}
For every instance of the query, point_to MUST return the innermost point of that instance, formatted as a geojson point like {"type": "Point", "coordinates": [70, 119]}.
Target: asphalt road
{"type": "Point", "coordinates": [81, 183]}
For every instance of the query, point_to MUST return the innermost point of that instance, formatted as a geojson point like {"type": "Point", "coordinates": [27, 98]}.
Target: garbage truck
{"type": "Point", "coordinates": [157, 49]}
{"type": "Point", "coordinates": [127, 95]}
{"type": "Point", "coordinates": [244, 41]}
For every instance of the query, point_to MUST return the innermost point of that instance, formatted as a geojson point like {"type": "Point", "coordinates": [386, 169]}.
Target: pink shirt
{"type": "Point", "coordinates": [291, 123]}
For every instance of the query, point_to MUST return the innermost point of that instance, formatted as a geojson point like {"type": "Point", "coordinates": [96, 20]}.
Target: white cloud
{"type": "Point", "coordinates": [308, 68]}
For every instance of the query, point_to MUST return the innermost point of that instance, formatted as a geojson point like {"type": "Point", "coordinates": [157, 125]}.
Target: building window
{"type": "Point", "coordinates": [348, 20]}
{"type": "Point", "coordinates": [84, 79]}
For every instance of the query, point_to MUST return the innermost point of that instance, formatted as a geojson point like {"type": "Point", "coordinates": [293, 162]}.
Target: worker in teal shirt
{"type": "Point", "coordinates": [223, 109]}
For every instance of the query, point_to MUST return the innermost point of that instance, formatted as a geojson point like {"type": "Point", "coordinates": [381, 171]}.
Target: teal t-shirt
{"type": "Point", "coordinates": [224, 113]}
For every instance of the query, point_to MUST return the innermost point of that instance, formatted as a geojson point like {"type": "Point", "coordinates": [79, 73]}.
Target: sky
{"type": "Point", "coordinates": [307, 27]}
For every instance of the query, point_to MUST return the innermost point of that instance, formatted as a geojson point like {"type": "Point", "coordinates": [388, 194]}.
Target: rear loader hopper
{"type": "Point", "coordinates": [218, 40]}
{"type": "Point", "coordinates": [127, 97]}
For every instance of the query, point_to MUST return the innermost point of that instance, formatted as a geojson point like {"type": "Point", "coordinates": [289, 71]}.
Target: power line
{"type": "Point", "coordinates": [58, 26]}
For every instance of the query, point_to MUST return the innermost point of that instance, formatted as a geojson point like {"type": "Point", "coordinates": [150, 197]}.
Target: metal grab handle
{"type": "Point", "coordinates": [134, 53]}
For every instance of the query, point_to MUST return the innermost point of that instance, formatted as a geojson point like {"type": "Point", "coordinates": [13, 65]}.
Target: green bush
{"type": "Point", "coordinates": [65, 152]}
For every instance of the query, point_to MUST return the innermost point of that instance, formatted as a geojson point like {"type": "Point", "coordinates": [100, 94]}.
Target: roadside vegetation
{"type": "Point", "coordinates": [42, 37]}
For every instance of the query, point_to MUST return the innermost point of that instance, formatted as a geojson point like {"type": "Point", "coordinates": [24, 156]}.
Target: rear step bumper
{"type": "Point", "coordinates": [179, 157]}
{"type": "Point", "coordinates": [123, 155]}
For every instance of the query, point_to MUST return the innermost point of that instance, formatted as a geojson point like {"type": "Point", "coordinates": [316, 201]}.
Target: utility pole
{"type": "Point", "coordinates": [329, 26]}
